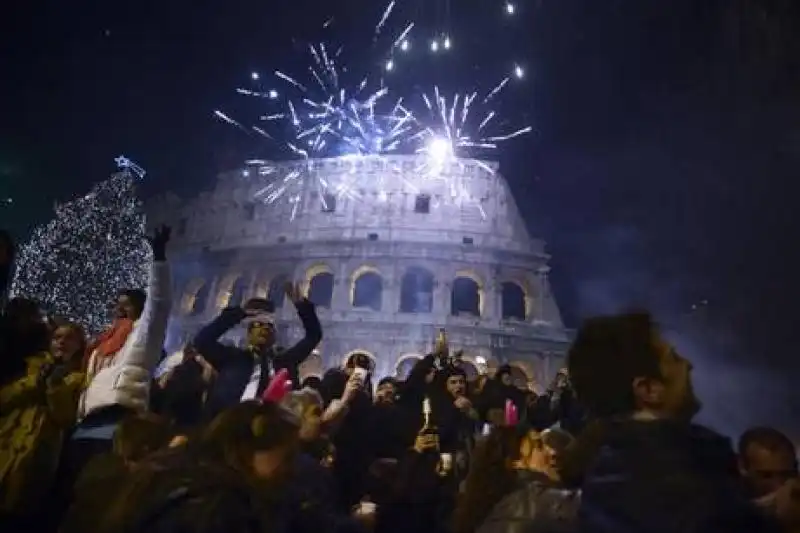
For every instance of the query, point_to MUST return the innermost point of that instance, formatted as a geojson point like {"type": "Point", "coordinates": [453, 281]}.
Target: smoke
{"type": "Point", "coordinates": [619, 268]}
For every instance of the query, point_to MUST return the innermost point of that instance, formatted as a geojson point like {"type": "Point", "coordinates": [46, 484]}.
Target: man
{"type": "Point", "coordinates": [767, 460]}
{"type": "Point", "coordinates": [652, 470]}
{"type": "Point", "coordinates": [244, 373]}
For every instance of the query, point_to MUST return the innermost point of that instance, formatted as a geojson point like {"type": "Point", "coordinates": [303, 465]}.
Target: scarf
{"type": "Point", "coordinates": [110, 341]}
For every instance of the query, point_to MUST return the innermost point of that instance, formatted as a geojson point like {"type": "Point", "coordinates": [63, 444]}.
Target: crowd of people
{"type": "Point", "coordinates": [227, 438]}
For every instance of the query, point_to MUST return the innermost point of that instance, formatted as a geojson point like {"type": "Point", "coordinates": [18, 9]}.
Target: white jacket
{"type": "Point", "coordinates": [126, 379]}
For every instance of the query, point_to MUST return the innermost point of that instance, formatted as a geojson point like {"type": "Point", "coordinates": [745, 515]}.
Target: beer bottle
{"type": "Point", "coordinates": [429, 427]}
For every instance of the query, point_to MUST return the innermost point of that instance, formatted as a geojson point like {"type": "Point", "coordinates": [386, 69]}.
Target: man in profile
{"type": "Point", "coordinates": [652, 469]}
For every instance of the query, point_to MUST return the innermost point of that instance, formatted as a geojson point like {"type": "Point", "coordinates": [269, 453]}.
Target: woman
{"type": "Point", "coordinates": [36, 408]}
{"type": "Point", "coordinates": [512, 486]}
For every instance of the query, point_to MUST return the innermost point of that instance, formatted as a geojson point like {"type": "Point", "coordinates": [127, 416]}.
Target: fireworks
{"type": "Point", "coordinates": [331, 112]}
{"type": "Point", "coordinates": [75, 264]}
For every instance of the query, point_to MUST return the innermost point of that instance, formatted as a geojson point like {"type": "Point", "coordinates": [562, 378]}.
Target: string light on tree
{"type": "Point", "coordinates": [75, 264]}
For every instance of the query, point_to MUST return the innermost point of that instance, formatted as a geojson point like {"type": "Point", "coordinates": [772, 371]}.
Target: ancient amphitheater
{"type": "Point", "coordinates": [388, 256]}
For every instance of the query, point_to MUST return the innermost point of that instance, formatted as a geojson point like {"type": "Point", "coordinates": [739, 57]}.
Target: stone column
{"type": "Point", "coordinates": [341, 286]}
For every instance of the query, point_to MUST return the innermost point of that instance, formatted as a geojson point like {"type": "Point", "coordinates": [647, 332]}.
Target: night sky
{"type": "Point", "coordinates": [663, 172]}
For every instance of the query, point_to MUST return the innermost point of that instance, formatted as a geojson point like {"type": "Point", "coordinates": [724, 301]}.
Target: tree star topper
{"type": "Point", "coordinates": [123, 163]}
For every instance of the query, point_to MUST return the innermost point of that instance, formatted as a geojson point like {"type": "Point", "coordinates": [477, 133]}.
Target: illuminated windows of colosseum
{"type": "Point", "coordinates": [416, 291]}
{"type": "Point", "coordinates": [367, 289]}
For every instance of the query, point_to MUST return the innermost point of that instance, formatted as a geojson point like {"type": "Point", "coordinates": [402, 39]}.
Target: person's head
{"type": "Point", "coordinates": [68, 342]}
{"type": "Point", "coordinates": [386, 391]}
{"type": "Point", "coordinates": [130, 304]}
{"type": "Point", "coordinates": [504, 375]}
{"type": "Point", "coordinates": [767, 459]}
{"type": "Point", "coordinates": [27, 326]}
{"type": "Point", "coordinates": [306, 404]}
{"type": "Point", "coordinates": [455, 382]}
{"type": "Point", "coordinates": [621, 365]}
{"type": "Point", "coordinates": [261, 333]}
{"type": "Point", "coordinates": [556, 442]}
{"type": "Point", "coordinates": [138, 436]}
{"type": "Point", "coordinates": [259, 440]}
{"type": "Point", "coordinates": [358, 360]}
{"type": "Point", "coordinates": [312, 382]}
{"type": "Point", "coordinates": [492, 472]}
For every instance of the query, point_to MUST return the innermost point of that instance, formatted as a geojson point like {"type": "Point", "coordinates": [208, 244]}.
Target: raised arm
{"type": "Point", "coordinates": [143, 348]}
{"type": "Point", "coordinates": [313, 330]}
{"type": "Point", "coordinates": [206, 342]}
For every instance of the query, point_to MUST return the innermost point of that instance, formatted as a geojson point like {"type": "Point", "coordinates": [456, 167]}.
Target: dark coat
{"type": "Point", "coordinates": [235, 365]}
{"type": "Point", "coordinates": [665, 477]}
{"type": "Point", "coordinates": [535, 506]}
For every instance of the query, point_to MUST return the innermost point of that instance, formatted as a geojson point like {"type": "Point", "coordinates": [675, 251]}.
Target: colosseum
{"type": "Point", "coordinates": [389, 256]}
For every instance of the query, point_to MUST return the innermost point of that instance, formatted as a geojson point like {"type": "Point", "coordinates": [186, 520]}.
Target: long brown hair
{"type": "Point", "coordinates": [490, 477]}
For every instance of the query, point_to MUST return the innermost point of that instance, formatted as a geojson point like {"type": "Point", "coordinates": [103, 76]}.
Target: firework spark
{"type": "Point", "coordinates": [323, 113]}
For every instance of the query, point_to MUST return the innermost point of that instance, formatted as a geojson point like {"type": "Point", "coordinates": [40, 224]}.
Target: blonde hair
{"type": "Point", "coordinates": [298, 402]}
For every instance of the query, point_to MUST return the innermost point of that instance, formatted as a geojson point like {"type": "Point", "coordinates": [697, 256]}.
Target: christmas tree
{"type": "Point", "coordinates": [75, 265]}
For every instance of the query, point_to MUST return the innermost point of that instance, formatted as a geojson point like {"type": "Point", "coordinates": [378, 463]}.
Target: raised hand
{"type": "Point", "coordinates": [158, 242]}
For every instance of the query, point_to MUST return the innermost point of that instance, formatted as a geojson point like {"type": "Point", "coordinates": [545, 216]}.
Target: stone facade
{"type": "Point", "coordinates": [389, 259]}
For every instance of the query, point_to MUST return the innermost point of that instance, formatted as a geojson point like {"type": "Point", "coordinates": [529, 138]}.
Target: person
{"type": "Point", "coordinates": [767, 460]}
{"type": "Point", "coordinates": [513, 486]}
{"type": "Point", "coordinates": [37, 408]}
{"type": "Point", "coordinates": [119, 380]}
{"type": "Point", "coordinates": [243, 374]}
{"type": "Point", "coordinates": [229, 478]}
{"type": "Point", "coordinates": [652, 470]}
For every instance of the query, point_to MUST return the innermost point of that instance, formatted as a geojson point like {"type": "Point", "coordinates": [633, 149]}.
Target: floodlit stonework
{"type": "Point", "coordinates": [388, 260]}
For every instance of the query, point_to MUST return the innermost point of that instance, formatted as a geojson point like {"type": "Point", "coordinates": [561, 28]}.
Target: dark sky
{"type": "Point", "coordinates": [663, 172]}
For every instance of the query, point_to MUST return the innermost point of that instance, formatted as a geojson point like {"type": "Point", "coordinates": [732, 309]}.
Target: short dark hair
{"type": "Point", "coordinates": [766, 437]}
{"type": "Point", "coordinates": [608, 353]}
{"type": "Point", "coordinates": [137, 298]}
{"type": "Point", "coordinates": [388, 379]}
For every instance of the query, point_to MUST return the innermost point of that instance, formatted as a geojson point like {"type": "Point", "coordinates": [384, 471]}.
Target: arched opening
{"type": "Point", "coordinates": [320, 289]}
{"type": "Point", "coordinates": [465, 298]}
{"type": "Point", "coordinates": [276, 292]}
{"type": "Point", "coordinates": [224, 290]}
{"type": "Point", "coordinates": [195, 297]}
{"type": "Point", "coordinates": [261, 287]}
{"type": "Point", "coordinates": [367, 289]}
{"type": "Point", "coordinates": [237, 292]}
{"type": "Point", "coordinates": [416, 291]}
{"type": "Point", "coordinates": [405, 364]}
{"type": "Point", "coordinates": [513, 301]}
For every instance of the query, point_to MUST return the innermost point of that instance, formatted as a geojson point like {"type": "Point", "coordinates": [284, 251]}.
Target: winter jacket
{"type": "Point", "coordinates": [665, 477]}
{"type": "Point", "coordinates": [35, 413]}
{"type": "Point", "coordinates": [235, 365]}
{"type": "Point", "coordinates": [536, 506]}
{"type": "Point", "coordinates": [125, 380]}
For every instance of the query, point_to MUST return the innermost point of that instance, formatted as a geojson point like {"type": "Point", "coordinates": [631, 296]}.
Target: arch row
{"type": "Point", "coordinates": [417, 291]}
